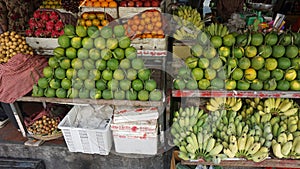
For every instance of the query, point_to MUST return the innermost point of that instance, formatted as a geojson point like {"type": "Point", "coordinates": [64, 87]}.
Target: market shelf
{"type": "Point", "coordinates": [235, 93]}
{"type": "Point", "coordinates": [274, 163]}
{"type": "Point", "coordinates": [91, 101]}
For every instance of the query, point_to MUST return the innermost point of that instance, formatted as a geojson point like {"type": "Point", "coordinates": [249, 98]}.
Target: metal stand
{"type": "Point", "coordinates": [19, 118]}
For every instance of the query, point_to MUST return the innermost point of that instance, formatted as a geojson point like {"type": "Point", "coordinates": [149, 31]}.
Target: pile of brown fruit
{"type": "Point", "coordinates": [11, 44]}
{"type": "Point", "coordinates": [44, 126]}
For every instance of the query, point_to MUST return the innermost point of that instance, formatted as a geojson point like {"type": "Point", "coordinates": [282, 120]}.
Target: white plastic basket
{"type": "Point", "coordinates": [91, 141]}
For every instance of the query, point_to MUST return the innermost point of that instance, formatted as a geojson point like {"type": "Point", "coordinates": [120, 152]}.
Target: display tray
{"type": "Point", "coordinates": [47, 137]}
{"type": "Point", "coordinates": [113, 12]}
{"type": "Point", "coordinates": [91, 101]}
{"type": "Point", "coordinates": [235, 93]}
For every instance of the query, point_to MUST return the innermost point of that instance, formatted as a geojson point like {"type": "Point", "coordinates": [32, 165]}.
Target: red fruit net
{"type": "Point", "coordinates": [18, 75]}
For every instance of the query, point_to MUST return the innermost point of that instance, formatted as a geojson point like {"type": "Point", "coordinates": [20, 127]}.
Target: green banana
{"type": "Point", "coordinates": [261, 155]}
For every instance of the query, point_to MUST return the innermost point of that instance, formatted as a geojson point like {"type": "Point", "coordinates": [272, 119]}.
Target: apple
{"type": "Point", "coordinates": [147, 4]}
{"type": "Point", "coordinates": [130, 3]}
{"type": "Point", "coordinates": [123, 3]}
{"type": "Point", "coordinates": [155, 3]}
{"type": "Point", "coordinates": [139, 4]}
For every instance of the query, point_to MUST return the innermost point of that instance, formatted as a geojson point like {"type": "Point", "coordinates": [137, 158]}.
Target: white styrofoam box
{"type": "Point", "coordinates": [113, 12]}
{"type": "Point", "coordinates": [150, 43]}
{"type": "Point", "coordinates": [135, 126]}
{"type": "Point", "coordinates": [123, 114]}
{"type": "Point", "coordinates": [42, 45]}
{"type": "Point", "coordinates": [135, 143]}
{"type": "Point", "coordinates": [86, 140]}
{"type": "Point", "coordinates": [131, 11]}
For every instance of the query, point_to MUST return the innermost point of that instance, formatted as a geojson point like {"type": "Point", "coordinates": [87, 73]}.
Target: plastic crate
{"type": "Point", "coordinates": [91, 141]}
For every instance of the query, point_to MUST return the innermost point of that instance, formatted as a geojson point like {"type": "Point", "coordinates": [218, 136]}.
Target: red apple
{"type": "Point", "coordinates": [155, 3]}
{"type": "Point", "coordinates": [130, 3]}
{"type": "Point", "coordinates": [147, 4]}
{"type": "Point", "coordinates": [123, 3]}
{"type": "Point", "coordinates": [139, 4]}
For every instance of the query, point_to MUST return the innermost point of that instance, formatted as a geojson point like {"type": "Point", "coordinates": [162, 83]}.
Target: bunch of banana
{"type": "Point", "coordinates": [213, 121]}
{"type": "Point", "coordinates": [185, 121]}
{"type": "Point", "coordinates": [188, 17]}
{"type": "Point", "coordinates": [201, 145]}
{"type": "Point", "coordinates": [216, 29]}
{"type": "Point", "coordinates": [246, 147]}
{"type": "Point", "coordinates": [280, 106]}
{"type": "Point", "coordinates": [184, 33]}
{"type": "Point", "coordinates": [222, 103]}
{"type": "Point", "coordinates": [286, 146]}
{"type": "Point", "coordinates": [251, 106]}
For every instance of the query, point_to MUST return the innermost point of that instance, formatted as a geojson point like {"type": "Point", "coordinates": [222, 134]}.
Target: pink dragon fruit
{"type": "Point", "coordinates": [55, 34]}
{"type": "Point", "coordinates": [39, 33]}
{"type": "Point", "coordinates": [37, 14]}
{"type": "Point", "coordinates": [61, 32]}
{"type": "Point", "coordinates": [49, 25]}
{"type": "Point", "coordinates": [40, 24]}
{"type": "Point", "coordinates": [59, 25]}
{"type": "Point", "coordinates": [53, 16]}
{"type": "Point", "coordinates": [29, 32]}
{"type": "Point", "coordinates": [47, 33]}
{"type": "Point", "coordinates": [45, 16]}
{"type": "Point", "coordinates": [32, 23]}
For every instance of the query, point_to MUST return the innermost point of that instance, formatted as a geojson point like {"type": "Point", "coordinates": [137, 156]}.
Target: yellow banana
{"type": "Point", "coordinates": [254, 148]}
{"type": "Point", "coordinates": [242, 142]}
{"type": "Point", "coordinates": [233, 144]}
{"type": "Point", "coordinates": [237, 106]}
{"type": "Point", "coordinates": [216, 150]}
{"type": "Point", "coordinates": [290, 112]}
{"type": "Point", "coordinates": [276, 147]}
{"type": "Point", "coordinates": [282, 138]}
{"type": "Point", "coordinates": [277, 102]}
{"type": "Point", "coordinates": [214, 102]}
{"type": "Point", "coordinates": [229, 153]}
{"type": "Point", "coordinates": [209, 107]}
{"type": "Point", "coordinates": [286, 148]}
{"type": "Point", "coordinates": [285, 105]}
{"type": "Point", "coordinates": [210, 145]}
{"type": "Point", "coordinates": [249, 142]}
{"type": "Point", "coordinates": [261, 155]}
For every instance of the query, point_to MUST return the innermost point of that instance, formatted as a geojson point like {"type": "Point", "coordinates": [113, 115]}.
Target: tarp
{"type": "Point", "coordinates": [18, 76]}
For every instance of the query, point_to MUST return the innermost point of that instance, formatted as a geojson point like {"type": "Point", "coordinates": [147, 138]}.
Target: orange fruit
{"type": "Point", "coordinates": [154, 19]}
{"type": "Point", "coordinates": [96, 22]}
{"type": "Point", "coordinates": [144, 15]}
{"type": "Point", "coordinates": [158, 24]}
{"type": "Point", "coordinates": [89, 3]}
{"type": "Point", "coordinates": [112, 4]}
{"type": "Point", "coordinates": [160, 32]}
{"type": "Point", "coordinates": [134, 27]}
{"type": "Point", "coordinates": [85, 16]}
{"type": "Point", "coordinates": [92, 16]}
{"type": "Point", "coordinates": [97, 4]}
{"type": "Point", "coordinates": [142, 22]}
{"type": "Point", "coordinates": [156, 13]}
{"type": "Point", "coordinates": [149, 14]}
{"type": "Point", "coordinates": [147, 20]}
{"type": "Point", "coordinates": [125, 26]}
{"type": "Point", "coordinates": [109, 0]}
{"type": "Point", "coordinates": [150, 27]}
{"type": "Point", "coordinates": [140, 27]}
{"type": "Point", "coordinates": [81, 22]}
{"type": "Point", "coordinates": [130, 22]}
{"type": "Point", "coordinates": [148, 35]}
{"type": "Point", "coordinates": [135, 17]}
{"type": "Point", "coordinates": [104, 4]}
{"type": "Point", "coordinates": [100, 16]}
{"type": "Point", "coordinates": [138, 32]}
{"type": "Point", "coordinates": [104, 22]}
{"type": "Point", "coordinates": [88, 23]}
{"type": "Point", "coordinates": [136, 21]}
{"type": "Point", "coordinates": [100, 27]}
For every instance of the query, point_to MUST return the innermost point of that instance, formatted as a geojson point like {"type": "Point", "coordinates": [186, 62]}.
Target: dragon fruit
{"type": "Point", "coordinates": [45, 16]}
{"type": "Point", "coordinates": [29, 32]}
{"type": "Point", "coordinates": [55, 34]}
{"type": "Point", "coordinates": [53, 16]}
{"type": "Point", "coordinates": [37, 14]}
{"type": "Point", "coordinates": [49, 25]}
{"type": "Point", "coordinates": [59, 25]}
{"type": "Point", "coordinates": [32, 23]}
{"type": "Point", "coordinates": [40, 24]}
{"type": "Point", "coordinates": [47, 33]}
{"type": "Point", "coordinates": [39, 33]}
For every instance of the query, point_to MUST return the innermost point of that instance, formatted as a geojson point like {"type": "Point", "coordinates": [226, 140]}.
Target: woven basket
{"type": "Point", "coordinates": [47, 137]}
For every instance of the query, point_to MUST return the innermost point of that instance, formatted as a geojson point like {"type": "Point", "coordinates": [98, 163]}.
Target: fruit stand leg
{"type": "Point", "coordinates": [19, 118]}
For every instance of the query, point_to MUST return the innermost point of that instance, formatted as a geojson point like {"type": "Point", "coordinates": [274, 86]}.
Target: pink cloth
{"type": "Point", "coordinates": [18, 75]}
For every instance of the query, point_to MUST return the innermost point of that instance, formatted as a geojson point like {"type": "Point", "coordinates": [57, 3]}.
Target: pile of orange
{"type": "Point", "coordinates": [99, 3]}
{"type": "Point", "coordinates": [148, 24]}
{"type": "Point", "coordinates": [98, 19]}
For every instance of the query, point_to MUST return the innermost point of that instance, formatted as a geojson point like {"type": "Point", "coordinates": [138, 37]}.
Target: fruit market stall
{"type": "Point", "coordinates": [232, 97]}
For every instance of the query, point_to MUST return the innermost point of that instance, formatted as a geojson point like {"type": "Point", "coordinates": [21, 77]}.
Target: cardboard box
{"type": "Point", "coordinates": [135, 143]}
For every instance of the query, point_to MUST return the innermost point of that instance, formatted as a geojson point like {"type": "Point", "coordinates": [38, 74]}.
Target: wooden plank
{"type": "Point", "coordinates": [235, 93]}
{"type": "Point", "coordinates": [275, 163]}
{"type": "Point", "coordinates": [91, 101]}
